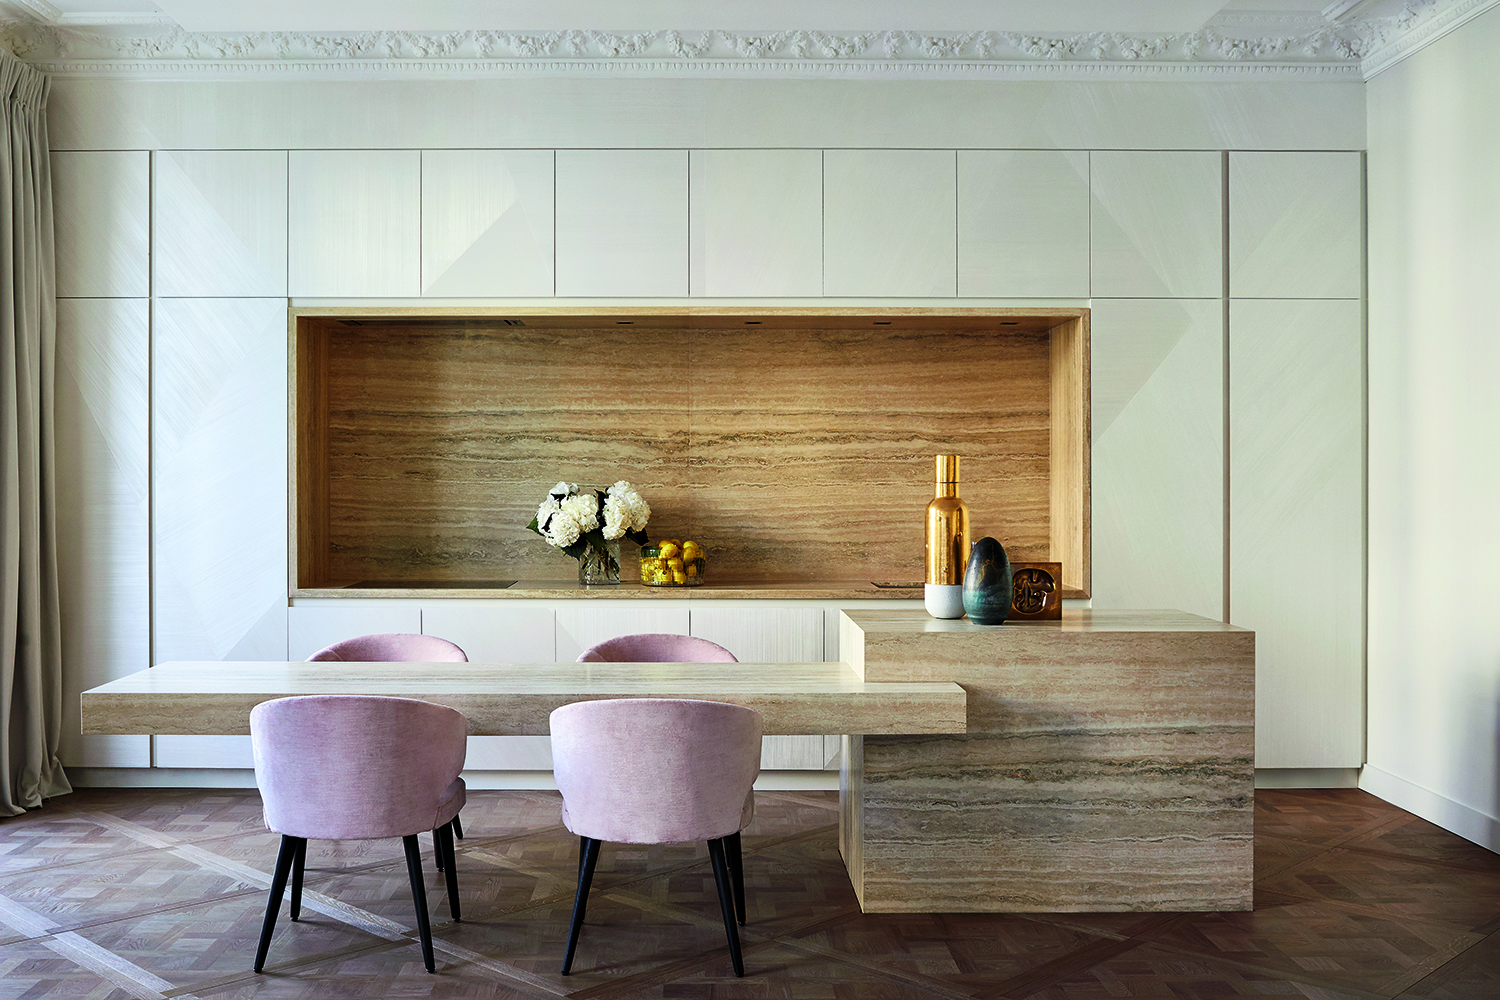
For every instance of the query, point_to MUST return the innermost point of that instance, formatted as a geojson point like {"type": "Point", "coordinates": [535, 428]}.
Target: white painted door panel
{"type": "Point", "coordinates": [757, 222]}
{"type": "Point", "coordinates": [1023, 223]}
{"type": "Point", "coordinates": [487, 222]}
{"type": "Point", "coordinates": [622, 222]}
{"type": "Point", "coordinates": [770, 635]}
{"type": "Point", "coordinates": [101, 204]}
{"type": "Point", "coordinates": [1156, 224]}
{"type": "Point", "coordinates": [1157, 375]}
{"type": "Point", "coordinates": [499, 632]}
{"type": "Point", "coordinates": [309, 629]}
{"type": "Point", "coordinates": [1295, 225]}
{"type": "Point", "coordinates": [1296, 524]}
{"type": "Point", "coordinates": [587, 623]}
{"type": "Point", "coordinates": [355, 226]}
{"type": "Point", "coordinates": [221, 223]}
{"type": "Point", "coordinates": [890, 222]}
{"type": "Point", "coordinates": [102, 452]}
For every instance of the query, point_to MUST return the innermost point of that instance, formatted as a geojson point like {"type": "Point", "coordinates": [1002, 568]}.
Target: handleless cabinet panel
{"type": "Point", "coordinates": [309, 629]}
{"type": "Point", "coordinates": [1295, 225]}
{"type": "Point", "coordinates": [103, 533]}
{"type": "Point", "coordinates": [1157, 224]}
{"type": "Point", "coordinates": [1023, 223]}
{"type": "Point", "coordinates": [101, 217]}
{"type": "Point", "coordinates": [355, 222]}
{"type": "Point", "coordinates": [622, 222]}
{"type": "Point", "coordinates": [586, 623]}
{"type": "Point", "coordinates": [890, 223]}
{"type": "Point", "coordinates": [1296, 524]}
{"type": "Point", "coordinates": [757, 222]}
{"type": "Point", "coordinates": [487, 222]}
{"type": "Point", "coordinates": [1157, 377]}
{"type": "Point", "coordinates": [221, 223]}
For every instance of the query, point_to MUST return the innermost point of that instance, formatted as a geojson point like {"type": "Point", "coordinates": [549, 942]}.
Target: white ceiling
{"type": "Point", "coordinates": [1038, 16]}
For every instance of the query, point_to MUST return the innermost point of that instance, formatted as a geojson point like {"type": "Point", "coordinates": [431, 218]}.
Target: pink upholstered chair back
{"type": "Point", "coordinates": [392, 647]}
{"type": "Point", "coordinates": [655, 770]}
{"type": "Point", "coordinates": [657, 647]}
{"type": "Point", "coordinates": [354, 767]}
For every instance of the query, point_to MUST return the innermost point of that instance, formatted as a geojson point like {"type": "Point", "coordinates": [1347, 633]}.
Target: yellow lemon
{"type": "Point", "coordinates": [669, 549]}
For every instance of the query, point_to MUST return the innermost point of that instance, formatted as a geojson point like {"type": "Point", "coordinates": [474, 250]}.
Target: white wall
{"type": "Point", "coordinates": [1177, 211]}
{"type": "Point", "coordinates": [1434, 433]}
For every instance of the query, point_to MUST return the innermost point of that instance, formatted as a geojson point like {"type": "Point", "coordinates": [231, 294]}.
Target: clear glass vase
{"type": "Point", "coordinates": [599, 564]}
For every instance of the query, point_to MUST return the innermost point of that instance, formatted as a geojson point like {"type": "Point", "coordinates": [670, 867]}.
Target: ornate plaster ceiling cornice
{"type": "Point", "coordinates": [1237, 45]}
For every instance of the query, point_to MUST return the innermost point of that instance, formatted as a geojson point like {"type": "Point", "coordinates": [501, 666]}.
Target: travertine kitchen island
{"type": "Point", "coordinates": [1108, 765]}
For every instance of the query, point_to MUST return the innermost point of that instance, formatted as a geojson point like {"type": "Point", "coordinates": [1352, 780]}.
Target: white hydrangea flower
{"type": "Point", "coordinates": [624, 510]}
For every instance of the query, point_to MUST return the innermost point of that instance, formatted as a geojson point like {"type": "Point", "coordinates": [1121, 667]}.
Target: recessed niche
{"type": "Point", "coordinates": [794, 445]}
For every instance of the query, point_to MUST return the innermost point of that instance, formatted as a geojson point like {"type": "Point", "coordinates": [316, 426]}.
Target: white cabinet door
{"type": "Point", "coordinates": [1297, 524]}
{"type": "Point", "coordinates": [103, 535]}
{"type": "Point", "coordinates": [1157, 376]}
{"type": "Point", "coordinates": [101, 210]}
{"type": "Point", "coordinates": [757, 222]}
{"type": "Point", "coordinates": [1157, 224]}
{"type": "Point", "coordinates": [487, 222]}
{"type": "Point", "coordinates": [221, 223]}
{"type": "Point", "coordinates": [309, 629]}
{"type": "Point", "coordinates": [499, 632]}
{"type": "Point", "coordinates": [581, 624]}
{"type": "Point", "coordinates": [1296, 225]}
{"type": "Point", "coordinates": [622, 222]}
{"type": "Point", "coordinates": [890, 222]}
{"type": "Point", "coordinates": [774, 634]}
{"type": "Point", "coordinates": [355, 226]}
{"type": "Point", "coordinates": [1023, 223]}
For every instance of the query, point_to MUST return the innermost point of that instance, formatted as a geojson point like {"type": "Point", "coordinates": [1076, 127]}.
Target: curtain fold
{"type": "Point", "coordinates": [31, 682]}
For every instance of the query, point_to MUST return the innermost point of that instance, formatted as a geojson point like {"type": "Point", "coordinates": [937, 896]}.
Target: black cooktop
{"type": "Point", "coordinates": [429, 585]}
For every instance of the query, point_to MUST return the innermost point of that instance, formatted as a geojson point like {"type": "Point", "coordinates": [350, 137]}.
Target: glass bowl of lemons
{"type": "Point", "coordinates": [672, 563]}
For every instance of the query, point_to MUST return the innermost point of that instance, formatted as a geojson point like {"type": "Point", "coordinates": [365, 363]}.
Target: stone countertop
{"type": "Point", "coordinates": [822, 590]}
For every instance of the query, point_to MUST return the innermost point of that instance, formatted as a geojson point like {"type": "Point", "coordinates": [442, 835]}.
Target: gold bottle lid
{"type": "Point", "coordinates": [945, 469]}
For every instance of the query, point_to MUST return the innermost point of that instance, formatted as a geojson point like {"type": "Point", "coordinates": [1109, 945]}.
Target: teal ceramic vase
{"type": "Point", "coordinates": [987, 583]}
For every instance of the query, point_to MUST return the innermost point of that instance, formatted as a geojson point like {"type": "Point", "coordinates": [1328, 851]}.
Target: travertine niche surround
{"type": "Point", "coordinates": [794, 444]}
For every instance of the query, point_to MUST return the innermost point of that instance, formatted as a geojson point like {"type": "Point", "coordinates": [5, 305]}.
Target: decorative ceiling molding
{"type": "Point", "coordinates": [1236, 45]}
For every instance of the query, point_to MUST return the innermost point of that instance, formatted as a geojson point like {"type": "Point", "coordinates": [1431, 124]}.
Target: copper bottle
{"type": "Point", "coordinates": [947, 527]}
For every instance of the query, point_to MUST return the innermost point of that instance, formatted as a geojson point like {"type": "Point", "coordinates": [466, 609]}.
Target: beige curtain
{"type": "Point", "coordinates": [30, 632]}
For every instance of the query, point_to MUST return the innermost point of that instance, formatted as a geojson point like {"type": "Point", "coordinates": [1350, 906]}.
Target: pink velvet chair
{"type": "Point", "coordinates": [395, 647]}
{"type": "Point", "coordinates": [358, 767]}
{"type": "Point", "coordinates": [658, 771]}
{"type": "Point", "coordinates": [657, 647]}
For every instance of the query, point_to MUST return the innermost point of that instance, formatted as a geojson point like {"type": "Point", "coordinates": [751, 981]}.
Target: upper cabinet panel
{"type": "Point", "coordinates": [101, 210]}
{"type": "Point", "coordinates": [1295, 225]}
{"type": "Point", "coordinates": [1023, 223]}
{"type": "Point", "coordinates": [622, 222]}
{"type": "Point", "coordinates": [757, 222]}
{"type": "Point", "coordinates": [1157, 224]}
{"type": "Point", "coordinates": [891, 218]}
{"type": "Point", "coordinates": [355, 222]}
{"type": "Point", "coordinates": [221, 223]}
{"type": "Point", "coordinates": [487, 222]}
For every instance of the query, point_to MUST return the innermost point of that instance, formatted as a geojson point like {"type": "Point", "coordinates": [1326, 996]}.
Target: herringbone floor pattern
{"type": "Point", "coordinates": [160, 893]}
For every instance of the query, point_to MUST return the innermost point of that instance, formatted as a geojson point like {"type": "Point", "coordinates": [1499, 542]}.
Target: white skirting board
{"type": "Point", "coordinates": [1455, 817]}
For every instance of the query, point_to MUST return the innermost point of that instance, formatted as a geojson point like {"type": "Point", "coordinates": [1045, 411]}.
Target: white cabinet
{"type": "Point", "coordinates": [1296, 524]}
{"type": "Point", "coordinates": [355, 224]}
{"type": "Point", "coordinates": [890, 222]}
{"type": "Point", "coordinates": [220, 223]}
{"type": "Point", "coordinates": [757, 222]}
{"type": "Point", "coordinates": [487, 222]}
{"type": "Point", "coordinates": [1023, 223]}
{"type": "Point", "coordinates": [581, 624]}
{"type": "Point", "coordinates": [763, 633]}
{"type": "Point", "coordinates": [1296, 225]}
{"type": "Point", "coordinates": [309, 629]}
{"type": "Point", "coordinates": [622, 225]}
{"type": "Point", "coordinates": [1157, 224]}
{"type": "Point", "coordinates": [101, 217]}
{"type": "Point", "coordinates": [103, 549]}
{"type": "Point", "coordinates": [1157, 374]}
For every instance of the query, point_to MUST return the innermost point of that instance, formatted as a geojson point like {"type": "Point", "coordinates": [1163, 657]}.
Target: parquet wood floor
{"type": "Point", "coordinates": [159, 893]}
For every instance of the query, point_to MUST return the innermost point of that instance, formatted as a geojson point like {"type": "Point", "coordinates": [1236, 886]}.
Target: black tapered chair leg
{"type": "Point", "coordinates": [726, 902]}
{"type": "Point", "coordinates": [588, 857]}
{"type": "Point", "coordinates": [736, 874]}
{"type": "Point", "coordinates": [445, 835]}
{"type": "Point", "coordinates": [458, 828]}
{"type": "Point", "coordinates": [284, 859]}
{"type": "Point", "coordinates": [299, 861]}
{"type": "Point", "coordinates": [419, 896]}
{"type": "Point", "coordinates": [437, 850]}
